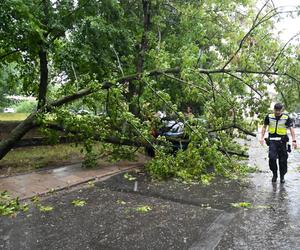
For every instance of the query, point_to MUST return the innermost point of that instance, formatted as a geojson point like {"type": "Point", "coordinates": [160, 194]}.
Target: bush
{"type": "Point", "coordinates": [25, 107]}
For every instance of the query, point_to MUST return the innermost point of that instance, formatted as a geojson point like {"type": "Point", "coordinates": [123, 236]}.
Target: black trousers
{"type": "Point", "coordinates": [278, 150]}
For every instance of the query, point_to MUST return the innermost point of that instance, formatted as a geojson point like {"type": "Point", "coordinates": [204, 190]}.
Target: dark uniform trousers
{"type": "Point", "coordinates": [277, 149]}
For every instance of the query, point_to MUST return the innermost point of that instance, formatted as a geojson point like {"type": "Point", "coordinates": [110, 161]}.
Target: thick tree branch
{"type": "Point", "coordinates": [40, 141]}
{"type": "Point", "coordinates": [9, 53]}
{"type": "Point", "coordinates": [245, 71]}
{"type": "Point", "coordinates": [16, 134]}
{"type": "Point", "coordinates": [212, 87]}
{"type": "Point", "coordinates": [292, 77]}
{"type": "Point", "coordinates": [105, 85]}
{"type": "Point", "coordinates": [144, 41]}
{"type": "Point", "coordinates": [43, 87]}
{"type": "Point", "coordinates": [241, 154]}
{"type": "Point", "coordinates": [233, 126]}
{"type": "Point", "coordinates": [28, 123]}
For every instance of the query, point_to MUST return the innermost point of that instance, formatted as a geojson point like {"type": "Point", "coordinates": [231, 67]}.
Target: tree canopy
{"type": "Point", "coordinates": [128, 59]}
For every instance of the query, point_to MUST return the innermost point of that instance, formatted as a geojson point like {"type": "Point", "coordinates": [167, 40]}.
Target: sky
{"type": "Point", "coordinates": [289, 26]}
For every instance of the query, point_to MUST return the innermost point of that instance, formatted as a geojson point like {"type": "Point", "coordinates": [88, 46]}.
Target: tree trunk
{"type": "Point", "coordinates": [16, 135]}
{"type": "Point", "coordinates": [43, 78]}
{"type": "Point", "coordinates": [26, 125]}
{"type": "Point", "coordinates": [144, 41]}
{"type": "Point", "coordinates": [43, 61]}
{"type": "Point", "coordinates": [143, 46]}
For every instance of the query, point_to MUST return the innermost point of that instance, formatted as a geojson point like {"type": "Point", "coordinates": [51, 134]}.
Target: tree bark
{"type": "Point", "coordinates": [43, 78]}
{"type": "Point", "coordinates": [25, 126]}
{"type": "Point", "coordinates": [16, 135]}
{"type": "Point", "coordinates": [143, 46]}
{"type": "Point", "coordinates": [40, 141]}
{"type": "Point", "coordinates": [144, 41]}
{"type": "Point", "coordinates": [43, 60]}
{"type": "Point", "coordinates": [233, 126]}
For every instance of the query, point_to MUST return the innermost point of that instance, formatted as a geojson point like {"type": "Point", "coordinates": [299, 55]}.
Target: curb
{"type": "Point", "coordinates": [94, 178]}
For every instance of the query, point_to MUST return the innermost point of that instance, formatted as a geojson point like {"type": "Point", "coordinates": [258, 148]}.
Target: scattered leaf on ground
{"type": "Point", "coordinates": [79, 203]}
{"type": "Point", "coordinates": [121, 202]}
{"type": "Point", "coordinates": [242, 204]}
{"type": "Point", "coordinates": [91, 184]}
{"type": "Point", "coordinates": [11, 206]}
{"type": "Point", "coordinates": [35, 199]}
{"type": "Point", "coordinates": [51, 191]}
{"type": "Point", "coordinates": [143, 209]}
{"type": "Point", "coordinates": [45, 208]}
{"type": "Point", "coordinates": [129, 177]}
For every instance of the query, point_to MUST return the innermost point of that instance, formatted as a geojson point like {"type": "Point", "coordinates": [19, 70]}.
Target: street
{"type": "Point", "coordinates": [141, 214]}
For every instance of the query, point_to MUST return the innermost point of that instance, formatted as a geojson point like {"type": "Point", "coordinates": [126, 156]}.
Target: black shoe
{"type": "Point", "coordinates": [282, 180]}
{"type": "Point", "coordinates": [274, 179]}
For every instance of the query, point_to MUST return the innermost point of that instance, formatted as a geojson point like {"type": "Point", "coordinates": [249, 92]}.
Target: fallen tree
{"type": "Point", "coordinates": [86, 57]}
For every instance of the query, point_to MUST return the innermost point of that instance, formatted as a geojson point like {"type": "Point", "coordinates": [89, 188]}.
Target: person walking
{"type": "Point", "coordinates": [278, 123]}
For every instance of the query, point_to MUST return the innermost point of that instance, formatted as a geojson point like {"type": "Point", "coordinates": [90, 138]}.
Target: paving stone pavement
{"type": "Point", "coordinates": [40, 182]}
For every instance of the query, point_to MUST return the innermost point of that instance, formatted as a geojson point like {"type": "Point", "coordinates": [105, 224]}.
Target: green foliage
{"type": "Point", "coordinates": [242, 205]}
{"type": "Point", "coordinates": [91, 184]}
{"type": "Point", "coordinates": [143, 209]}
{"type": "Point", "coordinates": [78, 203]}
{"type": "Point", "coordinates": [36, 201]}
{"type": "Point", "coordinates": [45, 209]}
{"type": "Point", "coordinates": [129, 177]}
{"type": "Point", "coordinates": [121, 202]}
{"type": "Point", "coordinates": [91, 42]}
{"type": "Point", "coordinates": [25, 107]}
{"type": "Point", "coordinates": [10, 206]}
{"type": "Point", "coordinates": [199, 163]}
{"type": "Point", "coordinates": [90, 159]}
{"type": "Point", "coordinates": [8, 85]}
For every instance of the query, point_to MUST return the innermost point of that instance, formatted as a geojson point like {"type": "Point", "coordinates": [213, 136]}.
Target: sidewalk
{"type": "Point", "coordinates": [41, 182]}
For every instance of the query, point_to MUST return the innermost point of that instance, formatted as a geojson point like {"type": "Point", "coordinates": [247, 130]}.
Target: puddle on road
{"type": "Point", "coordinates": [278, 225]}
{"type": "Point", "coordinates": [285, 198]}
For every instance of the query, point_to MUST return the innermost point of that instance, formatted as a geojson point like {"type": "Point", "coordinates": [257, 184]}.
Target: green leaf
{"type": "Point", "coordinates": [242, 204]}
{"type": "Point", "coordinates": [79, 203]}
{"type": "Point", "coordinates": [45, 208]}
{"type": "Point", "coordinates": [129, 177]}
{"type": "Point", "coordinates": [143, 209]}
{"type": "Point", "coordinates": [121, 202]}
{"type": "Point", "coordinates": [91, 184]}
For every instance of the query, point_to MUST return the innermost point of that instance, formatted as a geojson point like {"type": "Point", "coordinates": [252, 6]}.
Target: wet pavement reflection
{"type": "Point", "coordinates": [181, 217]}
{"type": "Point", "coordinates": [273, 222]}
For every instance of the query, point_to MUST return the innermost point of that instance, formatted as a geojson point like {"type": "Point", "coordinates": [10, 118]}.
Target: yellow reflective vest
{"type": "Point", "coordinates": [278, 126]}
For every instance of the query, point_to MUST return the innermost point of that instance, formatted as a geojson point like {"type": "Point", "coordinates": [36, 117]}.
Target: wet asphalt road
{"type": "Point", "coordinates": [275, 227]}
{"type": "Point", "coordinates": [181, 216]}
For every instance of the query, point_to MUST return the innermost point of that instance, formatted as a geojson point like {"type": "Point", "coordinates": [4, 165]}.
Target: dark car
{"type": "Point", "coordinates": [174, 132]}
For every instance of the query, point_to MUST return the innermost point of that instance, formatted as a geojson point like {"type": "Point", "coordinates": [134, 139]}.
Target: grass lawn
{"type": "Point", "coordinates": [12, 116]}
{"type": "Point", "coordinates": [23, 160]}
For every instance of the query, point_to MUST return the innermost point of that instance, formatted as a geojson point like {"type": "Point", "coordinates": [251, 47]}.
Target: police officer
{"type": "Point", "coordinates": [278, 123]}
